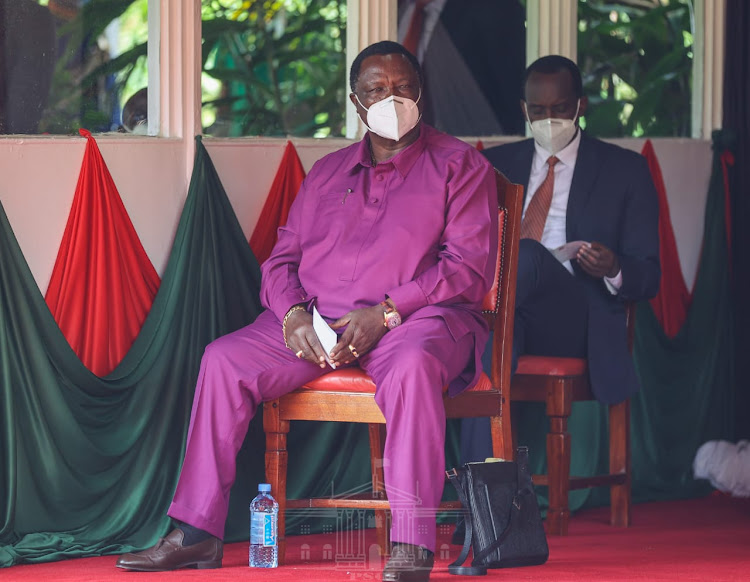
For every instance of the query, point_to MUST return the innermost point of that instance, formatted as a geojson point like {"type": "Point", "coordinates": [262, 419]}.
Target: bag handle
{"type": "Point", "coordinates": [524, 488]}
{"type": "Point", "coordinates": [515, 510]}
{"type": "Point", "coordinates": [456, 567]}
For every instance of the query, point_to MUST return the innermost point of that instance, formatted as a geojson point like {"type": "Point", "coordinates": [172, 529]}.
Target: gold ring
{"type": "Point", "coordinates": [299, 353]}
{"type": "Point", "coordinates": [353, 350]}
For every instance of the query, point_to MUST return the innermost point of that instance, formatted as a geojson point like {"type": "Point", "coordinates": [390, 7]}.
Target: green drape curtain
{"type": "Point", "coordinates": [88, 465]}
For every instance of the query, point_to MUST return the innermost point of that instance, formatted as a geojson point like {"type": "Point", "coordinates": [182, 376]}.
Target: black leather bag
{"type": "Point", "coordinates": [503, 523]}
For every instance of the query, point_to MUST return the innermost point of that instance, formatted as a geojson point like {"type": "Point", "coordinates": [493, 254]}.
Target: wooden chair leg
{"type": "Point", "coordinates": [382, 521]}
{"type": "Point", "coordinates": [558, 475]}
{"type": "Point", "coordinates": [276, 466]}
{"type": "Point", "coordinates": [619, 463]}
{"type": "Point", "coordinates": [559, 406]}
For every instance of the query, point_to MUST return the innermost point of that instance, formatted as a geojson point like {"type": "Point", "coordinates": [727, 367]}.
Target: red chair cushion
{"type": "Point", "coordinates": [344, 380]}
{"type": "Point", "coordinates": [549, 366]}
{"type": "Point", "coordinates": [355, 380]}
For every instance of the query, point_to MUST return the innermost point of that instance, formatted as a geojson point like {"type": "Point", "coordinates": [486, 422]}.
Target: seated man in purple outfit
{"type": "Point", "coordinates": [394, 240]}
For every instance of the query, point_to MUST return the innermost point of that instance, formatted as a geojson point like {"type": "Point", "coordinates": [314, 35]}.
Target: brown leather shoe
{"type": "Point", "coordinates": [169, 554]}
{"type": "Point", "coordinates": [408, 563]}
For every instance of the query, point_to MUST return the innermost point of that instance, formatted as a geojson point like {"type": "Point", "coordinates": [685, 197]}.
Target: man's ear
{"type": "Point", "coordinates": [583, 105]}
{"type": "Point", "coordinates": [523, 108]}
{"type": "Point", "coordinates": [353, 99]}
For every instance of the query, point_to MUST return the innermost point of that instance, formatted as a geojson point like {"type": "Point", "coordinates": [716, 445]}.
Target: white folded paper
{"type": "Point", "coordinates": [569, 250]}
{"type": "Point", "coordinates": [326, 335]}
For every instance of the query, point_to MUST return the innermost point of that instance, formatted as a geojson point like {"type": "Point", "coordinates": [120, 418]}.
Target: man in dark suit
{"type": "Point", "coordinates": [472, 53]}
{"type": "Point", "coordinates": [600, 201]}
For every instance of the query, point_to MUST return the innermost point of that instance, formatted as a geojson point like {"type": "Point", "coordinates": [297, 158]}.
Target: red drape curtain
{"type": "Point", "coordinates": [275, 211]}
{"type": "Point", "coordinates": [673, 299]}
{"type": "Point", "coordinates": [103, 283]}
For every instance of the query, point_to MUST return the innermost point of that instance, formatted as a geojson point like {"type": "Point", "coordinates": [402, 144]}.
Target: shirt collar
{"type": "Point", "coordinates": [403, 161]}
{"type": "Point", "coordinates": [567, 155]}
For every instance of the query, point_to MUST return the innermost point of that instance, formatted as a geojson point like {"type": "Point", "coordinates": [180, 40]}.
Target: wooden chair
{"type": "Point", "coordinates": [347, 395]}
{"type": "Point", "coordinates": [558, 382]}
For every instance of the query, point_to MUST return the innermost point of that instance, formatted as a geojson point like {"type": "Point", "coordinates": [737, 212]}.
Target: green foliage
{"type": "Point", "coordinates": [270, 67]}
{"type": "Point", "coordinates": [274, 68]}
{"type": "Point", "coordinates": [636, 57]}
{"type": "Point", "coordinates": [87, 86]}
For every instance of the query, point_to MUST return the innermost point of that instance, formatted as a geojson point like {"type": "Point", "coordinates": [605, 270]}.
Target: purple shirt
{"type": "Point", "coordinates": [420, 228]}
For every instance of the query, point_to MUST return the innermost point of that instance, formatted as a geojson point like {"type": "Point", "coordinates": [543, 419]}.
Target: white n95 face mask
{"type": "Point", "coordinates": [393, 117]}
{"type": "Point", "coordinates": [553, 134]}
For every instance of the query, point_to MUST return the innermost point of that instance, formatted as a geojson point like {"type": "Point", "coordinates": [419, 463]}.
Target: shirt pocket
{"type": "Point", "coordinates": [331, 217]}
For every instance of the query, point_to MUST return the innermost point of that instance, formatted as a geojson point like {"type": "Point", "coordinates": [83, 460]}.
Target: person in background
{"type": "Point", "coordinates": [473, 53]}
{"type": "Point", "coordinates": [598, 202]}
{"type": "Point", "coordinates": [135, 113]}
{"type": "Point", "coordinates": [393, 239]}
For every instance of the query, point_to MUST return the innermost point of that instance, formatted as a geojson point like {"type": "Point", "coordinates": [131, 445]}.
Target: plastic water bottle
{"type": "Point", "coordinates": [264, 517]}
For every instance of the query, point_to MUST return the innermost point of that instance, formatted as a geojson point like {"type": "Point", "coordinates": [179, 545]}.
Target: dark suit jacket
{"type": "Point", "coordinates": [612, 201]}
{"type": "Point", "coordinates": [490, 37]}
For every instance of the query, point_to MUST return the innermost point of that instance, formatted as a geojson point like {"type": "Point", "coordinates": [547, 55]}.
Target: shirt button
{"type": "Point", "coordinates": [375, 200]}
{"type": "Point", "coordinates": [379, 177]}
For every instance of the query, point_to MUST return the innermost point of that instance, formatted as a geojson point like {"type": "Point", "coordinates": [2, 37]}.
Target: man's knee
{"type": "Point", "coordinates": [217, 350]}
{"type": "Point", "coordinates": [531, 253]}
{"type": "Point", "coordinates": [414, 362]}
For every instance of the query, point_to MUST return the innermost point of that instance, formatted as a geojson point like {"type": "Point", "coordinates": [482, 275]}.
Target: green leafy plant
{"type": "Point", "coordinates": [274, 67]}
{"type": "Point", "coordinates": [87, 85]}
{"type": "Point", "coordinates": [636, 59]}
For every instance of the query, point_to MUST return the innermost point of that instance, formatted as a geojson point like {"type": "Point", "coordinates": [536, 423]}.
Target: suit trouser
{"type": "Point", "coordinates": [410, 366]}
{"type": "Point", "coordinates": [551, 319]}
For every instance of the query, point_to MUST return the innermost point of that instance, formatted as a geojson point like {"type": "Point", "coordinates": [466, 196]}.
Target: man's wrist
{"type": "Point", "coordinates": [614, 283]}
{"type": "Point", "coordinates": [292, 310]}
{"type": "Point", "coordinates": [391, 316]}
{"type": "Point", "coordinates": [614, 270]}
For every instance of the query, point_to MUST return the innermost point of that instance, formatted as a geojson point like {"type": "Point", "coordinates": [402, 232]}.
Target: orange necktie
{"type": "Point", "coordinates": [536, 214]}
{"type": "Point", "coordinates": [414, 32]}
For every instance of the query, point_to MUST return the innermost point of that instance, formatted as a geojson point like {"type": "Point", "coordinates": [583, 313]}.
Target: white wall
{"type": "Point", "coordinates": [39, 176]}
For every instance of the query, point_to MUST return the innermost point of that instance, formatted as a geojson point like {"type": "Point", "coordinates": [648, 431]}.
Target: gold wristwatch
{"type": "Point", "coordinates": [391, 317]}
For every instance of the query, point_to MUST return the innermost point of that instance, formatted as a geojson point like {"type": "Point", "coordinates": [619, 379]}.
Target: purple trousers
{"type": "Point", "coordinates": [410, 366]}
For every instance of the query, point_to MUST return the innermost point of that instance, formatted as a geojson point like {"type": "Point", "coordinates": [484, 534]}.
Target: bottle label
{"type": "Point", "coordinates": [263, 526]}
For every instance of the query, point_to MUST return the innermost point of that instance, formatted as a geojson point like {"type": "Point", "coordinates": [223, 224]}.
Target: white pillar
{"type": "Point", "coordinates": [708, 66]}
{"type": "Point", "coordinates": [552, 29]}
{"type": "Point", "coordinates": [180, 62]}
{"type": "Point", "coordinates": [368, 21]}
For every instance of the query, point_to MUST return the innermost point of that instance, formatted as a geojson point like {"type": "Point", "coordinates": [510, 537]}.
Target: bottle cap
{"type": "Point", "coordinates": [264, 487]}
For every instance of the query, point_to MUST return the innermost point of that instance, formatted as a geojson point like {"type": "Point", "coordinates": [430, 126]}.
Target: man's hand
{"type": "Point", "coordinates": [364, 328]}
{"type": "Point", "coordinates": [302, 339]}
{"type": "Point", "coordinates": [597, 260]}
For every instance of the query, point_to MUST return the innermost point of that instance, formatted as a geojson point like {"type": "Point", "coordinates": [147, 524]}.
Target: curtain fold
{"type": "Point", "coordinates": [673, 299]}
{"type": "Point", "coordinates": [102, 283]}
{"type": "Point", "coordinates": [275, 211]}
{"type": "Point", "coordinates": [88, 464]}
{"type": "Point", "coordinates": [688, 395]}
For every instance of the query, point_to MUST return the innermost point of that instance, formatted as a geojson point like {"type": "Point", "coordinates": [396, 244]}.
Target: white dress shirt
{"type": "Point", "coordinates": [554, 234]}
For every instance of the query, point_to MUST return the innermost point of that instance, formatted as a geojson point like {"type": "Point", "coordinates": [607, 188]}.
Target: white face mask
{"type": "Point", "coordinates": [393, 117]}
{"type": "Point", "coordinates": [553, 134]}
